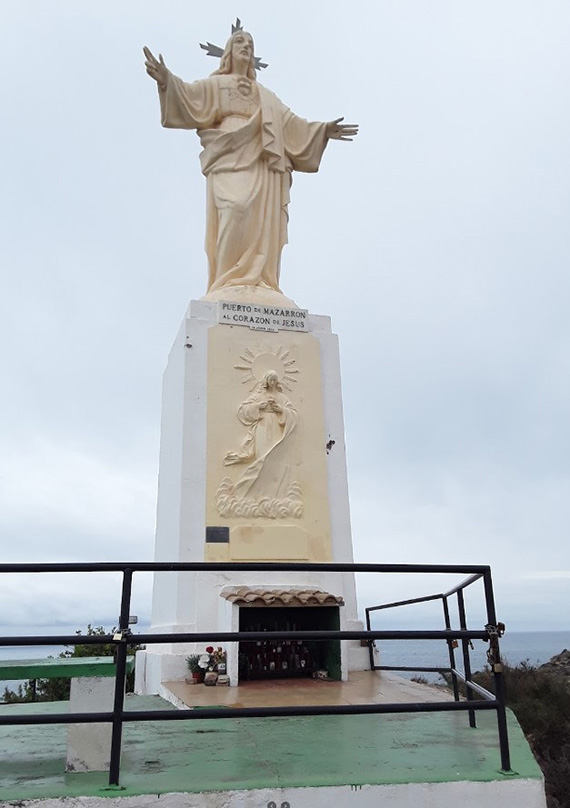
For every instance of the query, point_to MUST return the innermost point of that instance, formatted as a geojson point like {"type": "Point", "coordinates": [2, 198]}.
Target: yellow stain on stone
{"type": "Point", "coordinates": [269, 543]}
{"type": "Point", "coordinates": [217, 552]}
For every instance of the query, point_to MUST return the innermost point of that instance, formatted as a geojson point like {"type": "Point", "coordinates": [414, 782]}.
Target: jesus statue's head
{"type": "Point", "coordinates": [238, 56]}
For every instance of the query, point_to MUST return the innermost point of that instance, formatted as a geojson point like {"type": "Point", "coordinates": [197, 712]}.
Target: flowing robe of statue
{"type": "Point", "coordinates": [266, 447]}
{"type": "Point", "coordinates": [251, 143]}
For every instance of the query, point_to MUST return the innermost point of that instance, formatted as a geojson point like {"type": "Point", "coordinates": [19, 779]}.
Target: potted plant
{"type": "Point", "coordinates": [195, 668]}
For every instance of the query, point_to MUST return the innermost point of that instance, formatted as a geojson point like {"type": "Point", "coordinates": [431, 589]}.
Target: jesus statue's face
{"type": "Point", "coordinates": [242, 51]}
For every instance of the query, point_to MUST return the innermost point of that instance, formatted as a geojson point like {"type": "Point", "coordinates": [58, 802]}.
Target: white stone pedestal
{"type": "Point", "coordinates": [89, 745]}
{"type": "Point", "coordinates": [211, 385]}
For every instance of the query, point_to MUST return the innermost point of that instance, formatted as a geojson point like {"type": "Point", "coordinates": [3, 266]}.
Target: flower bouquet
{"type": "Point", "coordinates": [213, 659]}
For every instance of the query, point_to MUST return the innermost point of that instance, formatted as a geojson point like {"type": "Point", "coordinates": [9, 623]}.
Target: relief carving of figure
{"type": "Point", "coordinates": [251, 145]}
{"type": "Point", "coordinates": [265, 486]}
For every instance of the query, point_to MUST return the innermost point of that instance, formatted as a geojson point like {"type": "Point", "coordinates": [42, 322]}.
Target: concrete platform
{"type": "Point", "coordinates": [362, 687]}
{"type": "Point", "coordinates": [318, 761]}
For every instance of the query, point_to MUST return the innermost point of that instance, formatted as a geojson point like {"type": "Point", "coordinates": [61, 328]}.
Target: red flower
{"type": "Point", "coordinates": [210, 649]}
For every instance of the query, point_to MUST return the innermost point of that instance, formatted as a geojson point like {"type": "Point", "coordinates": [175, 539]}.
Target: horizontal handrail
{"type": "Point", "coordinates": [464, 584]}
{"type": "Point", "coordinates": [236, 566]}
{"type": "Point", "coordinates": [424, 599]}
{"type": "Point", "coordinates": [413, 669]}
{"type": "Point", "coordinates": [474, 686]}
{"type": "Point", "coordinates": [251, 712]}
{"type": "Point", "coordinates": [236, 636]}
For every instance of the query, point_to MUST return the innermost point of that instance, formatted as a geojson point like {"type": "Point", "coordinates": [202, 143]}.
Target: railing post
{"type": "Point", "coordinates": [121, 663]}
{"type": "Point", "coordinates": [451, 649]}
{"type": "Point", "coordinates": [494, 656]}
{"type": "Point", "coordinates": [466, 657]}
{"type": "Point", "coordinates": [370, 642]}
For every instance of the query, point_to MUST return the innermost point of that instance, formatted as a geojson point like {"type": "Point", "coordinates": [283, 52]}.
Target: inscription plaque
{"type": "Point", "coordinates": [263, 318]}
{"type": "Point", "coordinates": [217, 535]}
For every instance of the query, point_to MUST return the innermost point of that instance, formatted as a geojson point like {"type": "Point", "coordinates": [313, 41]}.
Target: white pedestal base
{"type": "Point", "coordinates": [190, 449]}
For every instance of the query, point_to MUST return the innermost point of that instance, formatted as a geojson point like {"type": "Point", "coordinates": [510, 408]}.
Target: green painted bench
{"type": "Point", "coordinates": [60, 667]}
{"type": "Point", "coordinates": [92, 690]}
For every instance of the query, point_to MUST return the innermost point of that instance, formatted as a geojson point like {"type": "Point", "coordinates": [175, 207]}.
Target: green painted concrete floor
{"type": "Point", "coordinates": [248, 753]}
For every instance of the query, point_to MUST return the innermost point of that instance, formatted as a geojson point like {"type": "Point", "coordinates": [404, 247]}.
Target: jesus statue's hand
{"type": "Point", "coordinates": [341, 131]}
{"type": "Point", "coordinates": [156, 68]}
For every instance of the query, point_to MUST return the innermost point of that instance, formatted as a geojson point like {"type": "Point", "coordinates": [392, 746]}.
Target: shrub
{"type": "Point", "coordinates": [419, 679]}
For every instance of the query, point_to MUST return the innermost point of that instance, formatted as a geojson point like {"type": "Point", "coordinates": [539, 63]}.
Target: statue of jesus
{"type": "Point", "coordinates": [251, 144]}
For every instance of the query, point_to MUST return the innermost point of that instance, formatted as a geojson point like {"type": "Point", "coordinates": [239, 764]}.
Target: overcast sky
{"type": "Point", "coordinates": [438, 242]}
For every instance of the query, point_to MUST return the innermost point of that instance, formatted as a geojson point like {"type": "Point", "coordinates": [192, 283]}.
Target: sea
{"type": "Point", "coordinates": [535, 647]}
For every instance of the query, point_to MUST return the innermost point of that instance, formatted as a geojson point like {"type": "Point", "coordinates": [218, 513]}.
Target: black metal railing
{"type": "Point", "coordinates": [124, 638]}
{"type": "Point", "coordinates": [493, 631]}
